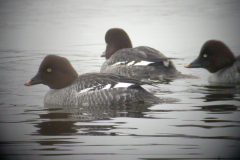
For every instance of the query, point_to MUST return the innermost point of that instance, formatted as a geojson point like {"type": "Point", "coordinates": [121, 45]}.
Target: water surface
{"type": "Point", "coordinates": [204, 123]}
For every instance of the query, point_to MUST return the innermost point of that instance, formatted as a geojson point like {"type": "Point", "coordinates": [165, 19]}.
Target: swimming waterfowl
{"type": "Point", "coordinates": [219, 60]}
{"type": "Point", "coordinates": [69, 88]}
{"type": "Point", "coordinates": [139, 62]}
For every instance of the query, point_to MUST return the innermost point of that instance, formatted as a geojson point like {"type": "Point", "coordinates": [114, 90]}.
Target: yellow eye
{"type": "Point", "coordinates": [49, 70]}
{"type": "Point", "coordinates": [106, 44]}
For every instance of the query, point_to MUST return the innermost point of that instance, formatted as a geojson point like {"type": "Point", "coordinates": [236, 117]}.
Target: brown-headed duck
{"type": "Point", "coordinates": [69, 88]}
{"type": "Point", "coordinates": [139, 62]}
{"type": "Point", "coordinates": [219, 60]}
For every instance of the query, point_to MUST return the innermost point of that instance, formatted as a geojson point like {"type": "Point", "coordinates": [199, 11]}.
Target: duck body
{"type": "Point", "coordinates": [67, 88]}
{"type": "Point", "coordinates": [227, 75]}
{"type": "Point", "coordinates": [95, 88]}
{"type": "Point", "coordinates": [139, 62]}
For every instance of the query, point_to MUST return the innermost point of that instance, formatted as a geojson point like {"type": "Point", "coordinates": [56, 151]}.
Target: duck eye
{"type": "Point", "coordinates": [49, 70]}
{"type": "Point", "coordinates": [205, 55]}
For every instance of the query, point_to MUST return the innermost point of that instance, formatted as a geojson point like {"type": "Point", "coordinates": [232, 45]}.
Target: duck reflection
{"type": "Point", "coordinates": [217, 108]}
{"type": "Point", "coordinates": [101, 112]}
{"type": "Point", "coordinates": [220, 93]}
{"type": "Point", "coordinates": [56, 128]}
{"type": "Point", "coordinates": [218, 97]}
{"type": "Point", "coordinates": [62, 119]}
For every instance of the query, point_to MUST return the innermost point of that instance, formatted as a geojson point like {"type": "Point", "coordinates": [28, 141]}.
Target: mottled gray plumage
{"type": "Point", "coordinates": [72, 94]}
{"type": "Point", "coordinates": [121, 62]}
{"type": "Point", "coordinates": [67, 88]}
{"type": "Point", "coordinates": [227, 75]}
{"type": "Point", "coordinates": [139, 62]}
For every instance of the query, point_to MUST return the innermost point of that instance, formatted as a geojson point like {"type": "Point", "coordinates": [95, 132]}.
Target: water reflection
{"type": "Point", "coordinates": [219, 108]}
{"type": "Point", "coordinates": [62, 119]}
{"type": "Point", "coordinates": [218, 97]}
{"type": "Point", "coordinates": [226, 93]}
{"type": "Point", "coordinates": [56, 128]}
{"type": "Point", "coordinates": [101, 112]}
{"type": "Point", "coordinates": [221, 93]}
{"type": "Point", "coordinates": [224, 88]}
{"type": "Point", "coordinates": [205, 123]}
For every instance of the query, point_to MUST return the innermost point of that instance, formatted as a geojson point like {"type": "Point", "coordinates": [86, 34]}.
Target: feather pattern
{"type": "Point", "coordinates": [229, 74]}
{"type": "Point", "coordinates": [139, 62]}
{"type": "Point", "coordinates": [100, 88]}
{"type": "Point", "coordinates": [67, 88]}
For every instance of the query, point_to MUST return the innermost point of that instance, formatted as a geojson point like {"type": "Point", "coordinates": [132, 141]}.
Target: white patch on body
{"type": "Point", "coordinates": [122, 85]}
{"type": "Point", "coordinates": [143, 63]}
{"type": "Point", "coordinates": [98, 87]}
{"type": "Point", "coordinates": [131, 63]}
{"type": "Point", "coordinates": [107, 86]}
{"type": "Point", "coordinates": [118, 63]}
{"type": "Point", "coordinates": [86, 89]}
{"type": "Point", "coordinates": [166, 63]}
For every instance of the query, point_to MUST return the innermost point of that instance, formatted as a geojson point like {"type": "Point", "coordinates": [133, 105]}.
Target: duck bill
{"type": "Point", "coordinates": [35, 80]}
{"type": "Point", "coordinates": [103, 54]}
{"type": "Point", "coordinates": [194, 64]}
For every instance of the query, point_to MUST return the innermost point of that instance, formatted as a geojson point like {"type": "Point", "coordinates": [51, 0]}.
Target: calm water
{"type": "Point", "coordinates": [204, 123]}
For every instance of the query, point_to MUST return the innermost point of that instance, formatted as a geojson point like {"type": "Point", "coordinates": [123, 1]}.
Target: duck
{"type": "Point", "coordinates": [89, 89]}
{"type": "Point", "coordinates": [219, 60]}
{"type": "Point", "coordinates": [139, 62]}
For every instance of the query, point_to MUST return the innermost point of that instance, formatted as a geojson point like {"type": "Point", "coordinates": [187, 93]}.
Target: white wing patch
{"type": "Point", "coordinates": [122, 85]}
{"type": "Point", "coordinates": [131, 63]}
{"type": "Point", "coordinates": [94, 88]}
{"type": "Point", "coordinates": [107, 86]}
{"type": "Point", "coordinates": [102, 87]}
{"type": "Point", "coordinates": [118, 63]}
{"type": "Point", "coordinates": [143, 63]}
{"type": "Point", "coordinates": [166, 63]}
{"type": "Point", "coordinates": [86, 90]}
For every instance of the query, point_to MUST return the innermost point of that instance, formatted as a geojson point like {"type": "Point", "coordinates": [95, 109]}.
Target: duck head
{"type": "Point", "coordinates": [116, 39]}
{"type": "Point", "coordinates": [214, 56]}
{"type": "Point", "coordinates": [55, 72]}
